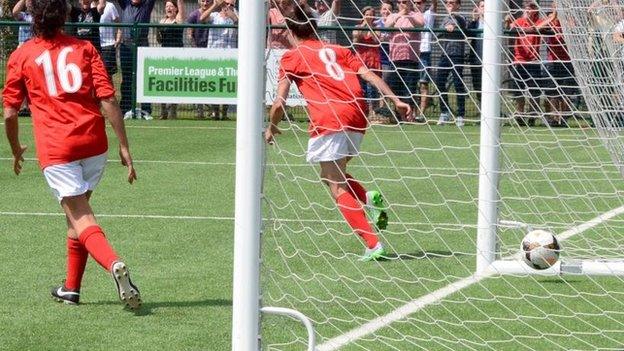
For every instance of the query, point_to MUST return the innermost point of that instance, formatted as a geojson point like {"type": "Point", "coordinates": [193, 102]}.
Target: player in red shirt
{"type": "Point", "coordinates": [327, 77]}
{"type": "Point", "coordinates": [65, 82]}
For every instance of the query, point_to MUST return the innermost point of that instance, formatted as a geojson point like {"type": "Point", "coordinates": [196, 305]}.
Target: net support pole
{"type": "Point", "coordinates": [490, 136]}
{"type": "Point", "coordinates": [249, 149]}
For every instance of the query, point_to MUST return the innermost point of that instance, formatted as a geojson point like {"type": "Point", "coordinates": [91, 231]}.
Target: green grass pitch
{"type": "Point", "coordinates": [174, 227]}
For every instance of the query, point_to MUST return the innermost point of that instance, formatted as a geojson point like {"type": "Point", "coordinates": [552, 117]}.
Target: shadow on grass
{"type": "Point", "coordinates": [147, 307]}
{"type": "Point", "coordinates": [419, 255]}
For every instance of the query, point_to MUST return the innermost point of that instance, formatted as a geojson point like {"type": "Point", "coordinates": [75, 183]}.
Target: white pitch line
{"type": "Point", "coordinates": [437, 295]}
{"type": "Point", "coordinates": [148, 216]}
{"type": "Point", "coordinates": [200, 163]}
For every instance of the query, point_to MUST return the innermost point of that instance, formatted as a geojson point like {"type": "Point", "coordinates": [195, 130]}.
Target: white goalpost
{"type": "Point", "coordinates": [460, 198]}
{"type": "Point", "coordinates": [604, 112]}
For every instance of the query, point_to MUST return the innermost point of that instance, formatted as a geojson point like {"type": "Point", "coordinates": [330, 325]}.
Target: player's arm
{"type": "Point", "coordinates": [11, 128]}
{"type": "Point", "coordinates": [111, 110]}
{"type": "Point", "coordinates": [105, 92]}
{"type": "Point", "coordinates": [366, 74]}
{"type": "Point", "coordinates": [13, 96]}
{"type": "Point", "coordinates": [277, 110]}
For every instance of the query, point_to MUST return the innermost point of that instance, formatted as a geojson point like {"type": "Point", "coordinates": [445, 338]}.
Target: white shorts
{"type": "Point", "coordinates": [335, 146]}
{"type": "Point", "coordinates": [75, 178]}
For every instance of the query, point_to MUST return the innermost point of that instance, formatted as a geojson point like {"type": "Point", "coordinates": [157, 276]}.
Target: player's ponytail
{"type": "Point", "coordinates": [48, 17]}
{"type": "Point", "coordinates": [302, 23]}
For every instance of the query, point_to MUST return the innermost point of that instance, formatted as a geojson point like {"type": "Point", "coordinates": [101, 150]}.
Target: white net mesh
{"type": "Point", "coordinates": [425, 297]}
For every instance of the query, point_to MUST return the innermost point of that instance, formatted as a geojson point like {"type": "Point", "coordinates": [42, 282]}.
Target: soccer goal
{"type": "Point", "coordinates": [460, 196]}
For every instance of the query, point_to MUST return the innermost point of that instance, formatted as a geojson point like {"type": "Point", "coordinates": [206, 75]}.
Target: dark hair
{"type": "Point", "coordinates": [48, 17]}
{"type": "Point", "coordinates": [387, 2]}
{"type": "Point", "coordinates": [367, 8]}
{"type": "Point", "coordinates": [302, 23]}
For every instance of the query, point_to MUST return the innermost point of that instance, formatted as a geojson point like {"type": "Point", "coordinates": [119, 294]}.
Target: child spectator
{"type": "Point", "coordinates": [425, 54]}
{"type": "Point", "coordinates": [452, 62]}
{"type": "Point", "coordinates": [366, 43]}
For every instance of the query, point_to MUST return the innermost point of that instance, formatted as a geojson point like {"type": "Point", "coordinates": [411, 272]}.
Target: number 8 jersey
{"type": "Point", "coordinates": [64, 79]}
{"type": "Point", "coordinates": [326, 76]}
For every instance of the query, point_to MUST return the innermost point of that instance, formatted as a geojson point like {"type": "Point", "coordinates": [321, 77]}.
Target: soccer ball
{"type": "Point", "coordinates": [540, 249]}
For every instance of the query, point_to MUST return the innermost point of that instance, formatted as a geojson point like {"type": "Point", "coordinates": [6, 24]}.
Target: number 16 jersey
{"type": "Point", "coordinates": [326, 76]}
{"type": "Point", "coordinates": [64, 79]}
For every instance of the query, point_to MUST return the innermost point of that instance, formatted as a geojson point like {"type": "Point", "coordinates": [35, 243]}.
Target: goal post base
{"type": "Point", "coordinates": [571, 267]}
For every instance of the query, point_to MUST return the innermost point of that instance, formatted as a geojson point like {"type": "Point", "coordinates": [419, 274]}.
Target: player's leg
{"type": "Point", "coordinates": [92, 237]}
{"type": "Point", "coordinates": [77, 256]}
{"type": "Point", "coordinates": [333, 174]}
{"type": "Point", "coordinates": [72, 184]}
{"type": "Point", "coordinates": [333, 152]}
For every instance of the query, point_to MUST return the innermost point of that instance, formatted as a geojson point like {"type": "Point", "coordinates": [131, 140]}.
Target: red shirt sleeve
{"type": "Point", "coordinates": [14, 91]}
{"type": "Point", "coordinates": [101, 81]}
{"type": "Point", "coordinates": [352, 62]}
{"type": "Point", "coordinates": [287, 67]}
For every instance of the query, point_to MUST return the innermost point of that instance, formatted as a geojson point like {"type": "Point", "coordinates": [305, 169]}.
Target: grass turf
{"type": "Point", "coordinates": [183, 265]}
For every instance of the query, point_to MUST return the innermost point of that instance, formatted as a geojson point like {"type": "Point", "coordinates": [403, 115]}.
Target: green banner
{"type": "Point", "coordinates": [174, 75]}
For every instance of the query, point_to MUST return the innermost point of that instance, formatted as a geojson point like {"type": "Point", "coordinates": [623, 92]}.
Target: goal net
{"type": "Point", "coordinates": [555, 173]}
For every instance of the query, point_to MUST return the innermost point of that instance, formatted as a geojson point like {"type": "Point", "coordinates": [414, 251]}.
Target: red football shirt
{"type": "Point", "coordinates": [64, 79]}
{"type": "Point", "coordinates": [526, 46]}
{"type": "Point", "coordinates": [326, 76]}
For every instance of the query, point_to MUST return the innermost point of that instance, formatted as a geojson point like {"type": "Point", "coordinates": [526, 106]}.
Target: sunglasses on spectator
{"type": "Point", "coordinates": [450, 2]}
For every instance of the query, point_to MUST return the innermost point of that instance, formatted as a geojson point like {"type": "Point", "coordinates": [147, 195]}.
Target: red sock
{"type": "Point", "coordinates": [76, 262]}
{"type": "Point", "coordinates": [356, 189]}
{"type": "Point", "coordinates": [95, 242]}
{"type": "Point", "coordinates": [354, 214]}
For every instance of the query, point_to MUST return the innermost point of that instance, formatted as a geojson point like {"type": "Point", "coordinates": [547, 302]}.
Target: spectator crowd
{"type": "Point", "coordinates": [421, 48]}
